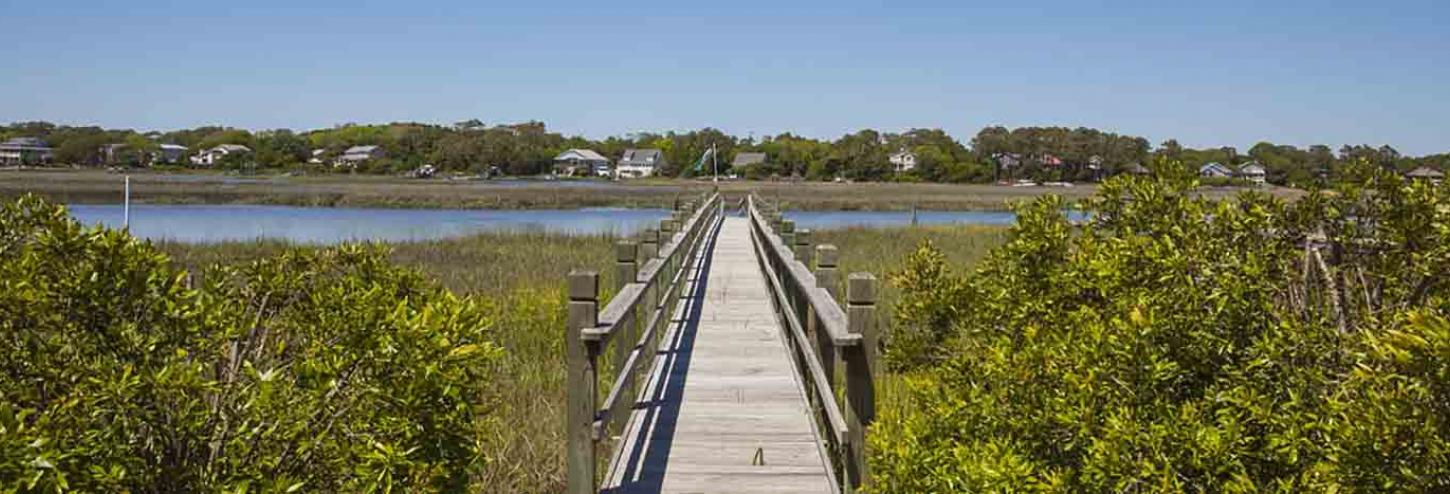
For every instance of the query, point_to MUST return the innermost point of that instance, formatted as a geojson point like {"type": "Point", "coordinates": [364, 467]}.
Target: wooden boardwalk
{"type": "Point", "coordinates": [724, 409]}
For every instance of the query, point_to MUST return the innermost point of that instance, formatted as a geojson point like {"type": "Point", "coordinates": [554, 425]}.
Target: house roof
{"type": "Point", "coordinates": [1008, 160]}
{"type": "Point", "coordinates": [744, 159]}
{"type": "Point", "coordinates": [25, 142]}
{"type": "Point", "coordinates": [1215, 166]}
{"type": "Point", "coordinates": [173, 147]}
{"type": "Point", "coordinates": [580, 154]}
{"type": "Point", "coordinates": [1252, 169]}
{"type": "Point", "coordinates": [641, 157]}
{"type": "Point", "coordinates": [232, 148]}
{"type": "Point", "coordinates": [1425, 172]}
{"type": "Point", "coordinates": [360, 150]}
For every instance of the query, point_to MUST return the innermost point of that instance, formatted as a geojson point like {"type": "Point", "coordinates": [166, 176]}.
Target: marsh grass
{"type": "Point", "coordinates": [521, 276]}
{"type": "Point", "coordinates": [882, 251]}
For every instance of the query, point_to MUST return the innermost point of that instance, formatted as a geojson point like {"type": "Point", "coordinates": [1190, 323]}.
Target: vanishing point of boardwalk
{"type": "Point", "coordinates": [735, 344]}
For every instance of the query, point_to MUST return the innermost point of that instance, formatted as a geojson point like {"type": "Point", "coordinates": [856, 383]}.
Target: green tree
{"type": "Point", "coordinates": [329, 370]}
{"type": "Point", "coordinates": [1176, 343]}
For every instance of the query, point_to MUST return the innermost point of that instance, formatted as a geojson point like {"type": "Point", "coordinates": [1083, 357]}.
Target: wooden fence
{"type": "Point", "coordinates": [822, 335]}
{"type": "Point", "coordinates": [651, 273]}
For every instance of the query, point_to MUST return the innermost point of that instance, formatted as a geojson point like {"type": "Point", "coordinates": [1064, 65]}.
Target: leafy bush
{"type": "Point", "coordinates": [329, 370]}
{"type": "Point", "coordinates": [1176, 343]}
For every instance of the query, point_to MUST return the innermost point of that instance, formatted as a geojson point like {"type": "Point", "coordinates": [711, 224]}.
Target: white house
{"type": "Point", "coordinates": [1215, 170]}
{"type": "Point", "coordinates": [640, 163]}
{"type": "Point", "coordinates": [574, 160]}
{"type": "Point", "coordinates": [358, 154]}
{"type": "Point", "coordinates": [1253, 173]}
{"type": "Point", "coordinates": [903, 161]}
{"type": "Point", "coordinates": [25, 151]}
{"type": "Point", "coordinates": [317, 155]}
{"type": "Point", "coordinates": [215, 155]}
{"type": "Point", "coordinates": [169, 153]}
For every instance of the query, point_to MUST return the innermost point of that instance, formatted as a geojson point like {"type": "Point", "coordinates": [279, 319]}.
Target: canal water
{"type": "Point", "coordinates": [313, 225]}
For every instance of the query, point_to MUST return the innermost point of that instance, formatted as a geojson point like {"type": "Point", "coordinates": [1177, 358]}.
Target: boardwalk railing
{"type": "Point", "coordinates": [651, 274]}
{"type": "Point", "coordinates": [821, 333]}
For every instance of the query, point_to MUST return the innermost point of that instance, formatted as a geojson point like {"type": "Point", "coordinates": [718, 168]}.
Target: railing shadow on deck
{"type": "Point", "coordinates": [609, 349]}
{"type": "Point", "coordinates": [643, 466]}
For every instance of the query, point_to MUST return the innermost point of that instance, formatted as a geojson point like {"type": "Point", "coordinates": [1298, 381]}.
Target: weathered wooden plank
{"type": "Point", "coordinates": [724, 410]}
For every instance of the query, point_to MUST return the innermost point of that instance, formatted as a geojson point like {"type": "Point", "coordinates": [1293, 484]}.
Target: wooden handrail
{"type": "Point", "coordinates": [828, 331]}
{"type": "Point", "coordinates": [654, 287]}
{"type": "Point", "coordinates": [835, 421]}
{"type": "Point", "coordinates": [833, 318]}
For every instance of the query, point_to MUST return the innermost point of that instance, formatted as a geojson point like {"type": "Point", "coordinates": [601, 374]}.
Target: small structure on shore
{"type": "Point", "coordinates": [747, 159]}
{"type": "Point", "coordinates": [215, 155]}
{"type": "Point", "coordinates": [358, 154]}
{"type": "Point", "coordinates": [1215, 170]}
{"type": "Point", "coordinates": [22, 151]}
{"type": "Point", "coordinates": [902, 161]}
{"type": "Point", "coordinates": [639, 163]}
{"type": "Point", "coordinates": [1427, 174]}
{"type": "Point", "coordinates": [1253, 172]}
{"type": "Point", "coordinates": [582, 161]}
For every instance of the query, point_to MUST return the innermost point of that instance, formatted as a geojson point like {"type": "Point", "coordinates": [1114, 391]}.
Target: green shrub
{"type": "Point", "coordinates": [1177, 343]}
{"type": "Point", "coordinates": [319, 370]}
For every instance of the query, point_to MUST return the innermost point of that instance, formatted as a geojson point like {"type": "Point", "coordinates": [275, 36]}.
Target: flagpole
{"type": "Point", "coordinates": [714, 165]}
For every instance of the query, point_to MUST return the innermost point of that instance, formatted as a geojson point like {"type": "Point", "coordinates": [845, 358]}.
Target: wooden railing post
{"type": "Point", "coordinates": [787, 234]}
{"type": "Point", "coordinates": [625, 271]}
{"type": "Point", "coordinates": [787, 238]}
{"type": "Point", "coordinates": [667, 235]}
{"type": "Point", "coordinates": [649, 245]}
{"type": "Point", "coordinates": [860, 362]}
{"type": "Point", "coordinates": [803, 246]}
{"type": "Point", "coordinates": [828, 278]}
{"type": "Point", "coordinates": [649, 248]}
{"type": "Point", "coordinates": [583, 314]}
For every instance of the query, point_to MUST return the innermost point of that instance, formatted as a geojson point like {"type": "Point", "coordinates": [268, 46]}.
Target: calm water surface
{"type": "Point", "coordinates": [197, 223]}
{"type": "Point", "coordinates": [201, 223]}
{"type": "Point", "coordinates": [823, 220]}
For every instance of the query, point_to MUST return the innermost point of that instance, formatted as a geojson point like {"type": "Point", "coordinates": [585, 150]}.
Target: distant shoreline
{"type": "Point", "coordinates": [153, 187]}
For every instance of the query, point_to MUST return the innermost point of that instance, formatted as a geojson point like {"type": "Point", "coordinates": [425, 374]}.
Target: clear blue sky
{"type": "Point", "coordinates": [1215, 73]}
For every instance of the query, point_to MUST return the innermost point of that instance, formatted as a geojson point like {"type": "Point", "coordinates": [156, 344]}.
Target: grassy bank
{"type": "Point", "coordinates": [99, 187]}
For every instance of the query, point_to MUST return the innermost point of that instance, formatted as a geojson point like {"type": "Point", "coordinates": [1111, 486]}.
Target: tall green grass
{"type": "Point", "coordinates": [881, 251]}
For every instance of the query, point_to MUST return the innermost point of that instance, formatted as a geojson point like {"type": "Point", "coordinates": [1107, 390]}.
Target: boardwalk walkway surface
{"type": "Point", "coordinates": [724, 410]}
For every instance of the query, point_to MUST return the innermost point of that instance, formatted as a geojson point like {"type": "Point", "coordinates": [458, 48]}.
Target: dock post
{"type": "Point", "coordinates": [583, 314]}
{"type": "Point", "coordinates": [860, 364]}
{"type": "Point", "coordinates": [649, 247]}
{"type": "Point", "coordinates": [667, 235]}
{"type": "Point", "coordinates": [626, 269]}
{"type": "Point", "coordinates": [828, 278]}
{"type": "Point", "coordinates": [787, 234]}
{"type": "Point", "coordinates": [803, 247]}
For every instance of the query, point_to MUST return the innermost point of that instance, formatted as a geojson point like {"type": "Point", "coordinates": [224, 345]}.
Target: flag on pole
{"type": "Point", "coordinates": [700, 165]}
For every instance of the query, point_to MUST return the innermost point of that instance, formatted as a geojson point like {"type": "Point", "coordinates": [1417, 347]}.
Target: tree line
{"type": "Point", "coordinates": [993, 154]}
